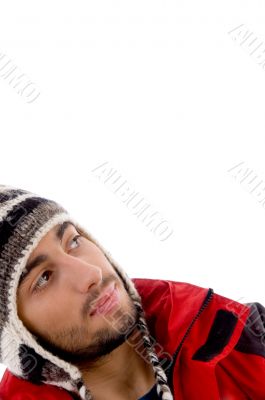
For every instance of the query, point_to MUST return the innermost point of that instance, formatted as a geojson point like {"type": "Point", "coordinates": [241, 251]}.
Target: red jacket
{"type": "Point", "coordinates": [211, 347]}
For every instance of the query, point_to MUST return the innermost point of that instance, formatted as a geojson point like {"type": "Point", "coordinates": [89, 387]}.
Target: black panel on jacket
{"type": "Point", "coordinates": [218, 337]}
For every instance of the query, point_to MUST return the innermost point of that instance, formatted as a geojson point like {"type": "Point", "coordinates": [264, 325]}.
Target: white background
{"type": "Point", "coordinates": [163, 93]}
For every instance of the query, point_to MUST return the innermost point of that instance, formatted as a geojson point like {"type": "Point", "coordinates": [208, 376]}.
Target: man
{"type": "Point", "coordinates": [73, 325]}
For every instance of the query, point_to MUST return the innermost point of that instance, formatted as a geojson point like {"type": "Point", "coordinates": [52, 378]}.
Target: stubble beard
{"type": "Point", "coordinates": [67, 345]}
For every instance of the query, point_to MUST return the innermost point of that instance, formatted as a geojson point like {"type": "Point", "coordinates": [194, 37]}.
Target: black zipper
{"type": "Point", "coordinates": [205, 303]}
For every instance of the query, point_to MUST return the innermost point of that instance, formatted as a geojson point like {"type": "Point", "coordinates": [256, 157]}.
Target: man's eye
{"type": "Point", "coordinates": [39, 286]}
{"type": "Point", "coordinates": [75, 239]}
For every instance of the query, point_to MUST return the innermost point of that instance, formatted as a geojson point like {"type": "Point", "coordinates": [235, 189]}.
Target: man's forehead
{"type": "Point", "coordinates": [62, 226]}
{"type": "Point", "coordinates": [57, 231]}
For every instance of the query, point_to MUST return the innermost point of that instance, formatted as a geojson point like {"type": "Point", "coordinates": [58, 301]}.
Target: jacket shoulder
{"type": "Point", "coordinates": [171, 305]}
{"type": "Point", "coordinates": [165, 284]}
{"type": "Point", "coordinates": [155, 291]}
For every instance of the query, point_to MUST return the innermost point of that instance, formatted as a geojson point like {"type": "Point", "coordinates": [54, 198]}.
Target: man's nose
{"type": "Point", "coordinates": [80, 274]}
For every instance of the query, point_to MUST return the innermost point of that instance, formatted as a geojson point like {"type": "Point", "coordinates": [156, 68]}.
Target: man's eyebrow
{"type": "Point", "coordinates": [43, 257]}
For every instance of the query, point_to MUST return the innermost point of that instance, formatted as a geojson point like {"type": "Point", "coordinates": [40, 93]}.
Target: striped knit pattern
{"type": "Point", "coordinates": [25, 218]}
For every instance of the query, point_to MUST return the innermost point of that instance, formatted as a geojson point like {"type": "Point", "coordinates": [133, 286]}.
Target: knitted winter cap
{"type": "Point", "coordinates": [25, 218]}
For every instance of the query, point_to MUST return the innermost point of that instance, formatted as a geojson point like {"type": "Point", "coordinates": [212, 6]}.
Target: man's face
{"type": "Point", "coordinates": [55, 300]}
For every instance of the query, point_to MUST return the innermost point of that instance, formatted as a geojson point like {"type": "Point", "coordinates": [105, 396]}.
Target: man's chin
{"type": "Point", "coordinates": [106, 340]}
{"type": "Point", "coordinates": [103, 345]}
{"type": "Point", "coordinates": [90, 353]}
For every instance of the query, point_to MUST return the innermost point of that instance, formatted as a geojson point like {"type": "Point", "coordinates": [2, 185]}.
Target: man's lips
{"type": "Point", "coordinates": [106, 295]}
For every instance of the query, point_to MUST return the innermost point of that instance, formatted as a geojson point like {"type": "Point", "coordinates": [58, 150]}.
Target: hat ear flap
{"type": "Point", "coordinates": [31, 364]}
